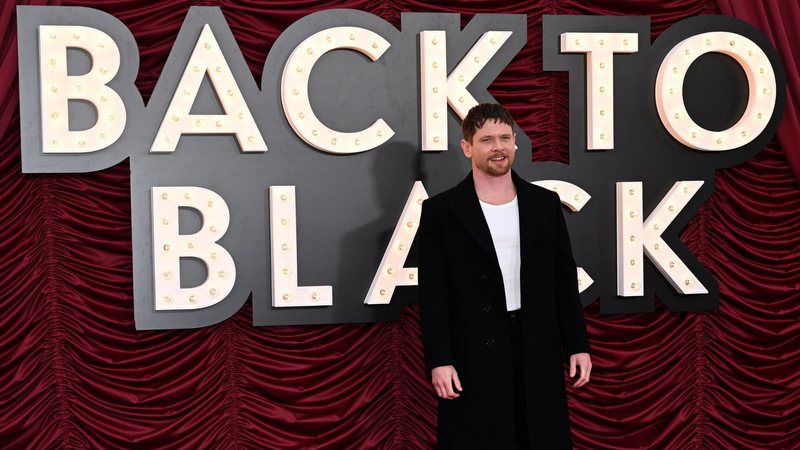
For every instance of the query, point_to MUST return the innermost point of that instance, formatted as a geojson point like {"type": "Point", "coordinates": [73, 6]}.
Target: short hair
{"type": "Point", "coordinates": [479, 114]}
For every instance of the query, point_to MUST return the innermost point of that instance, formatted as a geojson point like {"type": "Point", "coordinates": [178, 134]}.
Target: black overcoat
{"type": "Point", "coordinates": [465, 322]}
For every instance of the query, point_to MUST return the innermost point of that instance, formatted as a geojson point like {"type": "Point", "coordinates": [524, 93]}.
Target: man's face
{"type": "Point", "coordinates": [491, 149]}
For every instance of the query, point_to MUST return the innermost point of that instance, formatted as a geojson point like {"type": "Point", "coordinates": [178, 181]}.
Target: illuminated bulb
{"type": "Point", "coordinates": [435, 90]}
{"type": "Point", "coordinates": [677, 116]}
{"type": "Point", "coordinates": [221, 274]}
{"type": "Point", "coordinates": [493, 41]}
{"type": "Point", "coordinates": [694, 135]}
{"type": "Point", "coordinates": [719, 140]}
{"type": "Point", "coordinates": [686, 189]}
{"type": "Point", "coordinates": [602, 136]}
{"type": "Point", "coordinates": [656, 226]}
{"type": "Point", "coordinates": [632, 192]}
{"type": "Point", "coordinates": [657, 246]}
{"type": "Point", "coordinates": [671, 208]}
{"type": "Point", "coordinates": [301, 115]}
{"type": "Point", "coordinates": [219, 69]}
{"type": "Point", "coordinates": [732, 43]}
{"type": "Point", "coordinates": [333, 141]}
{"type": "Point", "coordinates": [103, 71]}
{"type": "Point", "coordinates": [52, 62]}
{"type": "Point", "coordinates": [210, 203]}
{"type": "Point", "coordinates": [218, 124]}
{"type": "Point", "coordinates": [436, 139]}
{"type": "Point", "coordinates": [310, 51]}
{"type": "Point", "coordinates": [434, 41]}
{"type": "Point", "coordinates": [76, 36]}
{"type": "Point", "coordinates": [198, 123]}
{"type": "Point", "coordinates": [671, 91]}
{"type": "Point", "coordinates": [164, 196]}
{"type": "Point", "coordinates": [166, 247]}
{"type": "Point", "coordinates": [767, 91]}
{"type": "Point", "coordinates": [435, 65]}
{"type": "Point", "coordinates": [81, 143]}
{"type": "Point", "coordinates": [672, 264]}
{"type": "Point", "coordinates": [299, 69]}
{"type": "Point", "coordinates": [380, 133]}
{"type": "Point", "coordinates": [187, 196]}
{"type": "Point", "coordinates": [410, 224]}
{"type": "Point", "coordinates": [461, 78]}
{"type": "Point", "coordinates": [213, 292]}
{"type": "Point", "coordinates": [577, 42]}
{"type": "Point", "coordinates": [419, 201]}
{"type": "Point", "coordinates": [165, 221]}
{"type": "Point", "coordinates": [602, 112]}
{"type": "Point", "coordinates": [352, 36]}
{"type": "Point", "coordinates": [212, 229]}
{"type": "Point", "coordinates": [284, 247]}
{"type": "Point", "coordinates": [54, 115]}
{"type": "Point", "coordinates": [602, 88]}
{"type": "Point", "coordinates": [284, 221]}
{"type": "Point", "coordinates": [230, 92]}
{"type": "Point", "coordinates": [390, 271]}
{"type": "Point", "coordinates": [625, 42]}
{"type": "Point", "coordinates": [375, 45]}
{"type": "Point", "coordinates": [54, 89]}
{"type": "Point", "coordinates": [633, 213]}
{"type": "Point", "coordinates": [602, 42]}
{"type": "Point", "coordinates": [283, 197]}
{"type": "Point", "coordinates": [687, 281]}
{"type": "Point", "coordinates": [401, 247]}
{"type": "Point", "coordinates": [168, 274]}
{"type": "Point", "coordinates": [240, 116]}
{"type": "Point", "coordinates": [167, 299]}
{"type": "Point", "coordinates": [411, 276]}
{"type": "Point", "coordinates": [687, 52]}
{"type": "Point", "coordinates": [634, 285]}
{"type": "Point", "coordinates": [207, 45]}
{"type": "Point", "coordinates": [749, 53]}
{"type": "Point", "coordinates": [477, 59]}
{"type": "Point", "coordinates": [383, 292]}
{"type": "Point", "coordinates": [708, 42]}
{"type": "Point", "coordinates": [744, 134]}
{"type": "Point", "coordinates": [285, 271]}
{"type": "Point", "coordinates": [55, 141]}
{"type": "Point", "coordinates": [675, 70]}
{"type": "Point", "coordinates": [633, 262]}
{"type": "Point", "coordinates": [112, 118]}
{"type": "Point", "coordinates": [103, 98]}
{"type": "Point", "coordinates": [102, 135]}
{"type": "Point", "coordinates": [295, 91]}
{"type": "Point", "coordinates": [192, 299]}
{"type": "Point", "coordinates": [436, 115]}
{"type": "Point", "coordinates": [314, 132]}
{"type": "Point", "coordinates": [576, 197]}
{"type": "Point", "coordinates": [759, 115]}
{"type": "Point", "coordinates": [461, 99]}
{"type": "Point", "coordinates": [214, 255]}
{"type": "Point", "coordinates": [286, 297]}
{"type": "Point", "coordinates": [190, 244]}
{"type": "Point", "coordinates": [357, 141]}
{"type": "Point", "coordinates": [314, 296]}
{"type": "Point", "coordinates": [176, 118]}
{"type": "Point", "coordinates": [196, 68]}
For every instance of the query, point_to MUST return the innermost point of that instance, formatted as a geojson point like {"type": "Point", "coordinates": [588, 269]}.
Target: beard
{"type": "Point", "coordinates": [494, 169]}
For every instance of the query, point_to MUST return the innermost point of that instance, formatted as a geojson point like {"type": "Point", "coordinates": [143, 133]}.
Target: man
{"type": "Point", "coordinates": [499, 301]}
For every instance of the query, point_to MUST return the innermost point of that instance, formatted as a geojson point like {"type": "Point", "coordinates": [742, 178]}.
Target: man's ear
{"type": "Point", "coordinates": [466, 147]}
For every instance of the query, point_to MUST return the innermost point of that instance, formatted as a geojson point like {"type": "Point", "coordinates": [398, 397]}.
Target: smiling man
{"type": "Point", "coordinates": [499, 300]}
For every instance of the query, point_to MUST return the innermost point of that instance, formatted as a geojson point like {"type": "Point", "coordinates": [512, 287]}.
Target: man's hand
{"type": "Point", "coordinates": [443, 378]}
{"type": "Point", "coordinates": [584, 361]}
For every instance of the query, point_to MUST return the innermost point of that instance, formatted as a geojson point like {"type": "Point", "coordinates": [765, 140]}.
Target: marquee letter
{"type": "Point", "coordinates": [633, 236]}
{"type": "Point", "coordinates": [391, 272]}
{"type": "Point", "coordinates": [294, 90]}
{"type": "Point", "coordinates": [599, 49]}
{"type": "Point", "coordinates": [207, 58]}
{"type": "Point", "coordinates": [760, 81]}
{"type": "Point", "coordinates": [283, 246]}
{"type": "Point", "coordinates": [438, 90]}
{"type": "Point", "coordinates": [574, 198]}
{"type": "Point", "coordinates": [58, 87]}
{"type": "Point", "coordinates": [169, 247]}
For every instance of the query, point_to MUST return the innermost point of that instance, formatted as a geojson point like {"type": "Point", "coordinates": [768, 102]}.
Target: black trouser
{"type": "Point", "coordinates": [520, 413]}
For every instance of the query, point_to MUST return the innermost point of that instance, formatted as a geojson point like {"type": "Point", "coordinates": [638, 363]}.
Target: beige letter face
{"type": "Point", "coordinates": [58, 87]}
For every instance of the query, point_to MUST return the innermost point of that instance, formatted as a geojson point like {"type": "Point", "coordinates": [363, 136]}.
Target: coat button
{"type": "Point", "coordinates": [490, 342]}
{"type": "Point", "coordinates": [487, 308]}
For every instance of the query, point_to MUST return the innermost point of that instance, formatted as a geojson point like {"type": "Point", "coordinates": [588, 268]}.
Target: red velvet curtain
{"type": "Point", "coordinates": [75, 374]}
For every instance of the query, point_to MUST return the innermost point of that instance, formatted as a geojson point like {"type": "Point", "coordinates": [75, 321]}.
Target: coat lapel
{"type": "Point", "coordinates": [468, 211]}
{"type": "Point", "coordinates": [530, 207]}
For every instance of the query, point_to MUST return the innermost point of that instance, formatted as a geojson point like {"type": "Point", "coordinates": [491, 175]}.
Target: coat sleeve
{"type": "Point", "coordinates": [572, 326]}
{"type": "Point", "coordinates": [434, 295]}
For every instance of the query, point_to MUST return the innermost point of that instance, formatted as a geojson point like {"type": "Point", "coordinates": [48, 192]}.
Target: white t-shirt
{"type": "Point", "coordinates": [503, 221]}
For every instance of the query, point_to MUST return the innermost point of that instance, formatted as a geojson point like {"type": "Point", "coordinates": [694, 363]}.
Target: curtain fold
{"type": "Point", "coordinates": [74, 373]}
